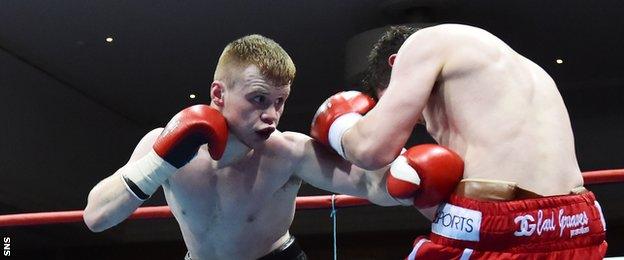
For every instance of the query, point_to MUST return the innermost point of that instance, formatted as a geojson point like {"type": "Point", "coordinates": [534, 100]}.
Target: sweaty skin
{"type": "Point", "coordinates": [498, 110]}
{"type": "Point", "coordinates": [241, 206]}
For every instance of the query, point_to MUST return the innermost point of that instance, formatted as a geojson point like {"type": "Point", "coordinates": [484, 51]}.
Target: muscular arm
{"type": "Point", "coordinates": [378, 138]}
{"type": "Point", "coordinates": [109, 202]}
{"type": "Point", "coordinates": [322, 168]}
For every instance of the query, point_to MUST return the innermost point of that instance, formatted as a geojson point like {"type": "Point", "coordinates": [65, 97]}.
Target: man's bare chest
{"type": "Point", "coordinates": [234, 194]}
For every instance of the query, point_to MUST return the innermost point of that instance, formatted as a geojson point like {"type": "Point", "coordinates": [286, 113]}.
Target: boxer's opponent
{"type": "Point", "coordinates": [522, 192]}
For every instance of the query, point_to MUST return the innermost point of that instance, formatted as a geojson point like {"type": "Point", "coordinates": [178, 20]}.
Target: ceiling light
{"type": "Point", "coordinates": [109, 39]}
{"type": "Point", "coordinates": [559, 61]}
{"type": "Point", "coordinates": [192, 96]}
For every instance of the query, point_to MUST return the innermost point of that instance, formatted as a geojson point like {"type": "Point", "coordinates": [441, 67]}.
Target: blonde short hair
{"type": "Point", "coordinates": [272, 61]}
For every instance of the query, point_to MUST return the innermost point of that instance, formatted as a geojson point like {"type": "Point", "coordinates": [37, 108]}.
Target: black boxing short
{"type": "Point", "coordinates": [290, 250]}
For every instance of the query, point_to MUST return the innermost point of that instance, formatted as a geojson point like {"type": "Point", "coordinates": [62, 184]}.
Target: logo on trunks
{"type": "Point", "coordinates": [528, 225]}
{"type": "Point", "coordinates": [456, 222]}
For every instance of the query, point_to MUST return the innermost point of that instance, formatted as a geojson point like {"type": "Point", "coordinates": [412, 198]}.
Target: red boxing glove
{"type": "Point", "coordinates": [337, 114]}
{"type": "Point", "coordinates": [177, 145]}
{"type": "Point", "coordinates": [188, 130]}
{"type": "Point", "coordinates": [428, 173]}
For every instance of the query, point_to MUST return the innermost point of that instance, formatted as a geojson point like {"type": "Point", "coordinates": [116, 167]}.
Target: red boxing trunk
{"type": "Point", "coordinates": [557, 227]}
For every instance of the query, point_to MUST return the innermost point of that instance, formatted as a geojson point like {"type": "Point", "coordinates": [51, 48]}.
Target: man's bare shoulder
{"type": "Point", "coordinates": [453, 35]}
{"type": "Point", "coordinates": [453, 29]}
{"type": "Point", "coordinates": [292, 143]}
{"type": "Point", "coordinates": [438, 42]}
{"type": "Point", "coordinates": [154, 133]}
{"type": "Point", "coordinates": [465, 48]}
{"type": "Point", "coordinates": [150, 138]}
{"type": "Point", "coordinates": [146, 143]}
{"type": "Point", "coordinates": [296, 137]}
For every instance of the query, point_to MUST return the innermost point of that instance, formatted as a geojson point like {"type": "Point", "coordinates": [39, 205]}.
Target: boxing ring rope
{"type": "Point", "coordinates": [303, 203]}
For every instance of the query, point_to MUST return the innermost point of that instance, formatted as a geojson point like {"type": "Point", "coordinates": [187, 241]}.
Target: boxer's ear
{"type": "Point", "coordinates": [216, 92]}
{"type": "Point", "coordinates": [391, 59]}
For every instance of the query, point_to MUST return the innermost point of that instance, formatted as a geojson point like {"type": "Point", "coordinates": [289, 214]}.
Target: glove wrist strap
{"type": "Point", "coordinates": [339, 127]}
{"type": "Point", "coordinates": [143, 177]}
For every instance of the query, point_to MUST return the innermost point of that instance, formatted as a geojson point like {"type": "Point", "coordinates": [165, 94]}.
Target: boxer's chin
{"type": "Point", "coordinates": [255, 139]}
{"type": "Point", "coordinates": [265, 133]}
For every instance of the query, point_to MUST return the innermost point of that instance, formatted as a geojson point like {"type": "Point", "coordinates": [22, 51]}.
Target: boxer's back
{"type": "Point", "coordinates": [504, 115]}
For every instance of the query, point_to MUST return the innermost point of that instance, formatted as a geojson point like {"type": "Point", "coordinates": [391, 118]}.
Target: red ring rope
{"type": "Point", "coordinates": [306, 202]}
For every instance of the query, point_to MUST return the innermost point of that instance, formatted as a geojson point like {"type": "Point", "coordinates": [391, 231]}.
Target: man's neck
{"type": "Point", "coordinates": [235, 150]}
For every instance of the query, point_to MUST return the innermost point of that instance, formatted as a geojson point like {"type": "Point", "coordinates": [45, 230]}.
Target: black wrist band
{"type": "Point", "coordinates": [135, 189]}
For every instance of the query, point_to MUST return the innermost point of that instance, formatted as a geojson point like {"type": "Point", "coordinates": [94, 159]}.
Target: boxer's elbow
{"type": "Point", "coordinates": [372, 163]}
{"type": "Point", "coordinates": [95, 227]}
{"type": "Point", "coordinates": [382, 159]}
{"type": "Point", "coordinates": [96, 215]}
{"type": "Point", "coordinates": [384, 202]}
{"type": "Point", "coordinates": [366, 152]}
{"type": "Point", "coordinates": [369, 158]}
{"type": "Point", "coordinates": [95, 221]}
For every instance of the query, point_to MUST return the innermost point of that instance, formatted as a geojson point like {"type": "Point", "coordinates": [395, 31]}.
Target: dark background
{"type": "Point", "coordinates": [74, 106]}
